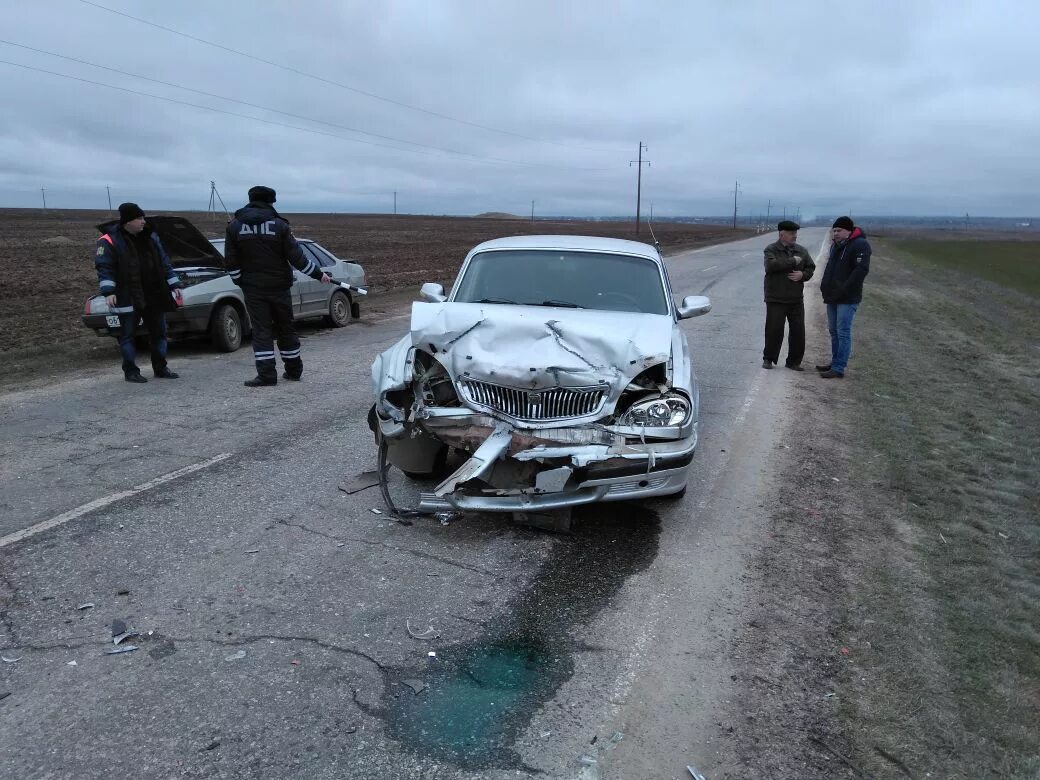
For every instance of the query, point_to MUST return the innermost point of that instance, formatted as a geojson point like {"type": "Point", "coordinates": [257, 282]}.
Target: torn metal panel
{"type": "Point", "coordinates": [483, 459]}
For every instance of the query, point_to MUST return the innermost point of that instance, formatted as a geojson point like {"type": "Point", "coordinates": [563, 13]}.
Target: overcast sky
{"type": "Point", "coordinates": [907, 107]}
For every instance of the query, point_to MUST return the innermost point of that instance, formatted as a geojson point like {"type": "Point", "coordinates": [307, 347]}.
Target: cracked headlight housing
{"type": "Point", "coordinates": [669, 409]}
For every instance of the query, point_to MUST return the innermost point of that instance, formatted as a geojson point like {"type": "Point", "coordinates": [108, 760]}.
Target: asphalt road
{"type": "Point", "coordinates": [285, 627]}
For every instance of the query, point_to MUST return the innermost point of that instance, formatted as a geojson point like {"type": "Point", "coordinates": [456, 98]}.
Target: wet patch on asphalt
{"type": "Point", "coordinates": [474, 699]}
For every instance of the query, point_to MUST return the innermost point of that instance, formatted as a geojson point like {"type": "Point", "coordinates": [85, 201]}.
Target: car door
{"type": "Point", "coordinates": [313, 295]}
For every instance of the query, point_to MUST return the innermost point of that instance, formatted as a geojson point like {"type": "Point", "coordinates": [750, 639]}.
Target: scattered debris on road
{"type": "Point", "coordinates": [250, 552]}
{"type": "Point", "coordinates": [116, 640]}
{"type": "Point", "coordinates": [7, 660]}
{"type": "Point", "coordinates": [375, 511]}
{"type": "Point", "coordinates": [694, 773]}
{"type": "Point", "coordinates": [359, 482]}
{"type": "Point", "coordinates": [236, 656]}
{"type": "Point", "coordinates": [88, 605]}
{"type": "Point", "coordinates": [429, 633]}
{"type": "Point", "coordinates": [72, 663]}
{"type": "Point", "coordinates": [122, 649]}
{"type": "Point", "coordinates": [118, 627]}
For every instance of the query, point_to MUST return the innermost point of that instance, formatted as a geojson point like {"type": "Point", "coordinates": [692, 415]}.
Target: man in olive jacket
{"type": "Point", "coordinates": [788, 267]}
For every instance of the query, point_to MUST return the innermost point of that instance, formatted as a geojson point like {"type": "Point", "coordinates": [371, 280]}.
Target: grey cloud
{"type": "Point", "coordinates": [881, 107]}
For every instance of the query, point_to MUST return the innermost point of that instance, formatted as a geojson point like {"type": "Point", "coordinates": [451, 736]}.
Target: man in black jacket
{"type": "Point", "coordinates": [139, 283]}
{"type": "Point", "coordinates": [842, 289]}
{"type": "Point", "coordinates": [788, 267]}
{"type": "Point", "coordinates": [258, 250]}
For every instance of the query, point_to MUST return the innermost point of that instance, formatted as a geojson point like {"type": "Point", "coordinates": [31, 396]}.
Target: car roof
{"type": "Point", "coordinates": [578, 243]}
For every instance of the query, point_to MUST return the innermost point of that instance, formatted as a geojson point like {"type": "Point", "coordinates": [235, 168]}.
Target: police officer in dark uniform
{"type": "Point", "coordinates": [139, 284]}
{"type": "Point", "coordinates": [258, 250]}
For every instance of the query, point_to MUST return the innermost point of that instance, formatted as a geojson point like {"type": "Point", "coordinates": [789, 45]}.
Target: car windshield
{"type": "Point", "coordinates": [564, 278]}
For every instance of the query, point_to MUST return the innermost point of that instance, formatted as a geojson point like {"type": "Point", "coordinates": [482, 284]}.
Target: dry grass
{"type": "Point", "coordinates": [946, 386]}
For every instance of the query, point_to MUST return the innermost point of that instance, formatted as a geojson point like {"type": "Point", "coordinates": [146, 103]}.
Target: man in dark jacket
{"type": "Point", "coordinates": [258, 250]}
{"type": "Point", "coordinates": [842, 289]}
{"type": "Point", "coordinates": [138, 282]}
{"type": "Point", "coordinates": [788, 267]}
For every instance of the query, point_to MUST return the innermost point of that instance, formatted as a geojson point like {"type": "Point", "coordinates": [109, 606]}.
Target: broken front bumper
{"type": "Point", "coordinates": [515, 469]}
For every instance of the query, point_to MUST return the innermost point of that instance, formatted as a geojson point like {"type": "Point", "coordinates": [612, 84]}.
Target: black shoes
{"type": "Point", "coordinates": [824, 368]}
{"type": "Point", "coordinates": [290, 377]}
{"type": "Point", "coordinates": [167, 374]}
{"type": "Point", "coordinates": [258, 382]}
{"type": "Point", "coordinates": [794, 368]}
{"type": "Point", "coordinates": [766, 363]}
{"type": "Point", "coordinates": [135, 378]}
{"type": "Point", "coordinates": [831, 375]}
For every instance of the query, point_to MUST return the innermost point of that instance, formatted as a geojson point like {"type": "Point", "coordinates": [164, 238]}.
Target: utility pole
{"type": "Point", "coordinates": [395, 203]}
{"type": "Point", "coordinates": [639, 179]}
{"type": "Point", "coordinates": [214, 197]}
{"type": "Point", "coordinates": [736, 189]}
{"type": "Point", "coordinates": [43, 192]}
{"type": "Point", "coordinates": [532, 211]}
{"type": "Point", "coordinates": [785, 212]}
{"type": "Point", "coordinates": [965, 222]}
{"type": "Point", "coordinates": [769, 207]}
{"type": "Point", "coordinates": [109, 191]}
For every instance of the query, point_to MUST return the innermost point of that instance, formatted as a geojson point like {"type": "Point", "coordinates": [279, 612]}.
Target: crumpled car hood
{"type": "Point", "coordinates": [540, 347]}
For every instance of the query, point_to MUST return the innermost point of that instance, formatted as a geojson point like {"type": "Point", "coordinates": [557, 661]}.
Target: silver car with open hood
{"type": "Point", "coordinates": [556, 366]}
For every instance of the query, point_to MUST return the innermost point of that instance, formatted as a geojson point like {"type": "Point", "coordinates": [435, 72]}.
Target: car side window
{"type": "Point", "coordinates": [321, 258]}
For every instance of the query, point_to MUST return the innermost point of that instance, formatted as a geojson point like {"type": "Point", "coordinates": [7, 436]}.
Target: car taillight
{"type": "Point", "coordinates": [86, 306]}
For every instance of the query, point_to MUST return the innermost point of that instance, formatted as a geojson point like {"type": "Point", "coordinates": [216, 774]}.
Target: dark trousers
{"type": "Point", "coordinates": [271, 315]}
{"type": "Point", "coordinates": [776, 315]}
{"type": "Point", "coordinates": [155, 322]}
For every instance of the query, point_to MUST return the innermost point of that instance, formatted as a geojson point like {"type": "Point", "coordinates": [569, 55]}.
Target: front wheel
{"type": "Point", "coordinates": [339, 309]}
{"type": "Point", "coordinates": [225, 329]}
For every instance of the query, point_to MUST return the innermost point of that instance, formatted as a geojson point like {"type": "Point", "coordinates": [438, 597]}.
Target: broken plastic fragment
{"type": "Point", "coordinates": [7, 660]}
{"type": "Point", "coordinates": [236, 656]}
{"type": "Point", "coordinates": [429, 633]}
{"type": "Point", "coordinates": [72, 663]}
{"type": "Point", "coordinates": [417, 686]}
{"type": "Point", "coordinates": [125, 635]}
{"type": "Point", "coordinates": [694, 773]}
{"type": "Point", "coordinates": [375, 511]}
{"type": "Point", "coordinates": [432, 654]}
{"type": "Point", "coordinates": [118, 627]}
{"type": "Point", "coordinates": [122, 649]}
{"type": "Point", "coordinates": [88, 605]}
{"type": "Point", "coordinates": [250, 552]}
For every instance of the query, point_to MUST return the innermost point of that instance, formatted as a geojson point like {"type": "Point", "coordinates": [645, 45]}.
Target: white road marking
{"type": "Point", "coordinates": [710, 268]}
{"type": "Point", "coordinates": [749, 400]}
{"type": "Point", "coordinates": [72, 514]}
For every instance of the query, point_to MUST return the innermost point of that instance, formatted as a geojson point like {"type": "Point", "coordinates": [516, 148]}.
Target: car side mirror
{"type": "Point", "coordinates": [432, 292]}
{"type": "Point", "coordinates": [694, 306]}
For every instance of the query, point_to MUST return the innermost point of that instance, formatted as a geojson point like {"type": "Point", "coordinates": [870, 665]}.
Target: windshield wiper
{"type": "Point", "coordinates": [562, 304]}
{"type": "Point", "coordinates": [495, 300]}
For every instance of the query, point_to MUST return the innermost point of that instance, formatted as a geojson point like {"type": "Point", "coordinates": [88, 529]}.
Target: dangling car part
{"type": "Point", "coordinates": [556, 367]}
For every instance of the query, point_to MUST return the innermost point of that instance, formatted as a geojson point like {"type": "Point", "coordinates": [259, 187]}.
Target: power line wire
{"type": "Point", "coordinates": [262, 108]}
{"type": "Point", "coordinates": [336, 83]}
{"type": "Point", "coordinates": [281, 124]}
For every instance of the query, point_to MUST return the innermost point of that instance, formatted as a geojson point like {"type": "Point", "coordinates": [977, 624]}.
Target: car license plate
{"type": "Point", "coordinates": [112, 320]}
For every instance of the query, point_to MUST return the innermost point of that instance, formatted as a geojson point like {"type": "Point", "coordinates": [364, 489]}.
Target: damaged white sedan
{"type": "Point", "coordinates": [556, 365]}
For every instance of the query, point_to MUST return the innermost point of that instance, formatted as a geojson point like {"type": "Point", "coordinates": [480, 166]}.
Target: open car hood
{"type": "Point", "coordinates": [541, 347]}
{"type": "Point", "coordinates": [182, 241]}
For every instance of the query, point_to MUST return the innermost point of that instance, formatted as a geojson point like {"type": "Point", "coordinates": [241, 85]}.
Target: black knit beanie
{"type": "Point", "coordinates": [845, 223]}
{"type": "Point", "coordinates": [128, 212]}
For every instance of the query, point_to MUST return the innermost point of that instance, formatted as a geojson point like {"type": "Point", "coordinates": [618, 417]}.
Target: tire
{"type": "Point", "coordinates": [676, 496]}
{"type": "Point", "coordinates": [339, 309]}
{"type": "Point", "coordinates": [225, 328]}
{"type": "Point", "coordinates": [439, 470]}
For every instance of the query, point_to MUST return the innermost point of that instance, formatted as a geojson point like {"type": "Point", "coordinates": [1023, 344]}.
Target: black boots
{"type": "Point", "coordinates": [258, 381]}
{"type": "Point", "coordinates": [135, 378]}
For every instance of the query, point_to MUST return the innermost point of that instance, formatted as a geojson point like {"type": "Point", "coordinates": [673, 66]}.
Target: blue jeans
{"type": "Point", "coordinates": [839, 323]}
{"type": "Point", "coordinates": [155, 322]}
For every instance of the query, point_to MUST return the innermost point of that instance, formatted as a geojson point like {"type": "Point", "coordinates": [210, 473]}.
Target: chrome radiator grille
{"type": "Point", "coordinates": [534, 405]}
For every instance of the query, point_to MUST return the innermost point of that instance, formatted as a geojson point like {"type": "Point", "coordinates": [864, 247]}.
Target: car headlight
{"type": "Point", "coordinates": [668, 409]}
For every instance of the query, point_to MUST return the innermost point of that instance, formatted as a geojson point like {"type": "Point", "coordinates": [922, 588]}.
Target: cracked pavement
{"type": "Point", "coordinates": [261, 552]}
